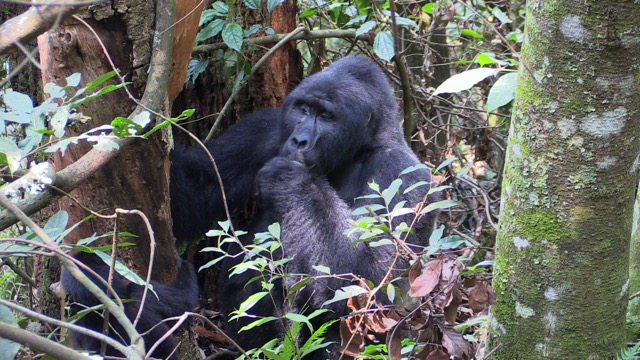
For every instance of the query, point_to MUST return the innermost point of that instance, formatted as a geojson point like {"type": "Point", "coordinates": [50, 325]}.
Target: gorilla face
{"type": "Point", "coordinates": [324, 127]}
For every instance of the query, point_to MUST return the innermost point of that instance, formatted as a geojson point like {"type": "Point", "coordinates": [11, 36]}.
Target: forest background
{"type": "Point", "coordinates": [104, 71]}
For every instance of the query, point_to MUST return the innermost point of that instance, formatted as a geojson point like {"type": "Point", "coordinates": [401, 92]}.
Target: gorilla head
{"type": "Point", "coordinates": [332, 116]}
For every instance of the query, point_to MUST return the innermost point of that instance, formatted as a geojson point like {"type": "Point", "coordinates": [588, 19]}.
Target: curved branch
{"type": "Point", "coordinates": [31, 23]}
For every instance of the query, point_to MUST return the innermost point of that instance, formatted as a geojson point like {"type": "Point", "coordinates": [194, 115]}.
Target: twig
{"type": "Point", "coordinates": [245, 81]}
{"type": "Point", "coordinates": [20, 272]}
{"type": "Point", "coordinates": [272, 39]}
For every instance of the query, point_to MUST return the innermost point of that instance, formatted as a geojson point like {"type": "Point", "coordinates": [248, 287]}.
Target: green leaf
{"type": "Point", "coordinates": [252, 4]}
{"type": "Point", "coordinates": [73, 80]}
{"type": "Point", "coordinates": [8, 348]}
{"type": "Point", "coordinates": [391, 191]}
{"type": "Point", "coordinates": [501, 15]}
{"type": "Point", "coordinates": [428, 8]}
{"type": "Point", "coordinates": [446, 163]}
{"type": "Point", "coordinates": [309, 12]}
{"type": "Point", "coordinates": [269, 30]}
{"type": "Point", "coordinates": [346, 292]}
{"type": "Point", "coordinates": [383, 45]}
{"type": "Point", "coordinates": [271, 4]}
{"type": "Point", "coordinates": [474, 34]}
{"type": "Point", "coordinates": [121, 269]}
{"type": "Point", "coordinates": [413, 168]}
{"type": "Point", "coordinates": [464, 81]}
{"type": "Point", "coordinates": [436, 235]}
{"type": "Point", "coordinates": [414, 186]}
{"type": "Point", "coordinates": [363, 209]}
{"type": "Point", "coordinates": [252, 30]}
{"type": "Point", "coordinates": [503, 91]}
{"type": "Point", "coordinates": [322, 269]}
{"type": "Point", "coordinates": [366, 27]}
{"type": "Point", "coordinates": [274, 230]}
{"type": "Point", "coordinates": [257, 323]}
{"type": "Point", "coordinates": [484, 59]}
{"type": "Point", "coordinates": [299, 319]}
{"type": "Point", "coordinates": [402, 21]}
{"type": "Point", "coordinates": [12, 154]}
{"type": "Point", "coordinates": [391, 292]}
{"type": "Point", "coordinates": [250, 302]}
{"type": "Point", "coordinates": [105, 90]}
{"type": "Point", "coordinates": [220, 8]}
{"type": "Point", "coordinates": [56, 224]}
{"type": "Point", "coordinates": [212, 29]}
{"type": "Point", "coordinates": [18, 101]}
{"type": "Point", "coordinates": [59, 121]}
{"type": "Point", "coordinates": [438, 205]}
{"type": "Point", "coordinates": [232, 36]}
{"type": "Point", "coordinates": [206, 16]}
{"type": "Point", "coordinates": [54, 90]}
{"type": "Point", "coordinates": [99, 80]}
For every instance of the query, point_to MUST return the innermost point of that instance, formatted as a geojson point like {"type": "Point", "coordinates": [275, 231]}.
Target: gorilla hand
{"type": "Point", "coordinates": [279, 179]}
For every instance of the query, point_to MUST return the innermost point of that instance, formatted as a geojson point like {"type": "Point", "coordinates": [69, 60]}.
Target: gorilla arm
{"type": "Point", "coordinates": [196, 199]}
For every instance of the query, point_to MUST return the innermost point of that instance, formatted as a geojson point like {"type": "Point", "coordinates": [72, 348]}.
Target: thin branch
{"type": "Point", "coordinates": [31, 23]}
{"type": "Point", "coordinates": [272, 39]}
{"type": "Point", "coordinates": [73, 269]}
{"type": "Point", "coordinates": [56, 322]}
{"type": "Point", "coordinates": [38, 343]}
{"type": "Point", "coordinates": [245, 81]}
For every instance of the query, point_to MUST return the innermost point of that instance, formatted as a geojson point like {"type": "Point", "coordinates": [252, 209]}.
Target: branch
{"type": "Point", "coordinates": [272, 39]}
{"type": "Point", "coordinates": [31, 23]}
{"type": "Point", "coordinates": [39, 343]}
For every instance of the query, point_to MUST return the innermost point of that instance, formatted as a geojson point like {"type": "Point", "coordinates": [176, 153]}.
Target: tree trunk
{"type": "Point", "coordinates": [138, 177]}
{"type": "Point", "coordinates": [561, 269]}
{"type": "Point", "coordinates": [633, 312]}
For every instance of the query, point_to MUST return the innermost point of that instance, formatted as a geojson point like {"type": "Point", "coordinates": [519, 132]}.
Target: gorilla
{"type": "Point", "coordinates": [155, 309]}
{"type": "Point", "coordinates": [307, 164]}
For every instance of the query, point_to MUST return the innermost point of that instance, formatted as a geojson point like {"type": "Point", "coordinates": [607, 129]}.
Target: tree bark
{"type": "Point", "coordinates": [561, 268]}
{"type": "Point", "coordinates": [138, 177]}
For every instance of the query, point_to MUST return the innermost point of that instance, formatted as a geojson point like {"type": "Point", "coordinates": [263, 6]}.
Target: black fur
{"type": "Point", "coordinates": [309, 160]}
{"type": "Point", "coordinates": [174, 300]}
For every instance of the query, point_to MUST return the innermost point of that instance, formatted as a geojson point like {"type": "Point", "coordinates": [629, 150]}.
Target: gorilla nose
{"type": "Point", "coordinates": [299, 143]}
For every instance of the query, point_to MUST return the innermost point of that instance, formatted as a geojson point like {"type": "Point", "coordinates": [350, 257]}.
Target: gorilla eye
{"type": "Point", "coordinates": [304, 108]}
{"type": "Point", "coordinates": [326, 116]}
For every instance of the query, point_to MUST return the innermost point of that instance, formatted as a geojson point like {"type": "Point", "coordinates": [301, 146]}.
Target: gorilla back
{"type": "Point", "coordinates": [306, 164]}
{"type": "Point", "coordinates": [173, 300]}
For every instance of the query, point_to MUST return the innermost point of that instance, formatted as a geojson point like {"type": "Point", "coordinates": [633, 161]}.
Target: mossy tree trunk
{"type": "Point", "coordinates": [633, 312]}
{"type": "Point", "coordinates": [561, 272]}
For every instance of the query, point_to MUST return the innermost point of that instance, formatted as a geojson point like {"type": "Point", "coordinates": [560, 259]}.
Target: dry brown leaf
{"type": "Point", "coordinates": [455, 344]}
{"type": "Point", "coordinates": [481, 297]}
{"type": "Point", "coordinates": [437, 355]}
{"type": "Point", "coordinates": [210, 334]}
{"type": "Point", "coordinates": [351, 337]}
{"type": "Point", "coordinates": [394, 344]}
{"type": "Point", "coordinates": [451, 311]}
{"type": "Point", "coordinates": [424, 279]}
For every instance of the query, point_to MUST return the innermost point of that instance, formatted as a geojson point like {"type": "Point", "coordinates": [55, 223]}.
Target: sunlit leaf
{"type": "Point", "coordinates": [465, 80]}
{"type": "Point", "coordinates": [346, 292]}
{"type": "Point", "coordinates": [503, 91]}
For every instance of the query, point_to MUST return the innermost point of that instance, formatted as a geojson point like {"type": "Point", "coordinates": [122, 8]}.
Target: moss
{"type": "Point", "coordinates": [540, 225]}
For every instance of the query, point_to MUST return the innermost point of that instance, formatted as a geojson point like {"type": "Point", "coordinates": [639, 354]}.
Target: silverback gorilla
{"type": "Point", "coordinates": [305, 164]}
{"type": "Point", "coordinates": [173, 300]}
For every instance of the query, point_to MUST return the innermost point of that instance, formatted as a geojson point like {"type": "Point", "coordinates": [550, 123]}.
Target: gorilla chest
{"type": "Point", "coordinates": [349, 182]}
